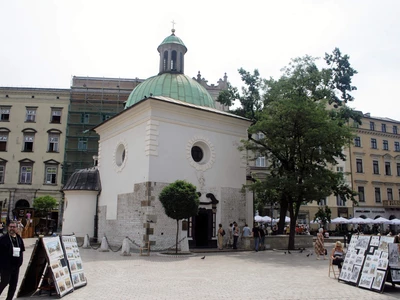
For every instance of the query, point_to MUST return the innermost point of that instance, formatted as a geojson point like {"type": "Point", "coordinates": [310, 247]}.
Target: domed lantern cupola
{"type": "Point", "coordinates": [172, 51]}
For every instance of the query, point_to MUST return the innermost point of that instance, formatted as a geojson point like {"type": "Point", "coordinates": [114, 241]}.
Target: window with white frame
{"type": "Point", "coordinates": [397, 146]}
{"type": "Point", "coordinates": [361, 194]}
{"type": "Point", "coordinates": [322, 202]}
{"type": "Point", "coordinates": [28, 142]}
{"type": "Point", "coordinates": [339, 169]}
{"type": "Point", "coordinates": [25, 175]}
{"type": "Point", "coordinates": [260, 161]}
{"type": "Point", "coordinates": [340, 201]}
{"type": "Point", "coordinates": [82, 144]}
{"type": "Point", "coordinates": [30, 114]}
{"type": "Point", "coordinates": [5, 113]}
{"type": "Point", "coordinates": [378, 195]}
{"type": "Point", "coordinates": [385, 145]}
{"type": "Point", "coordinates": [394, 129]}
{"type": "Point", "coordinates": [357, 141]}
{"type": "Point", "coordinates": [3, 140]}
{"type": "Point", "coordinates": [389, 194]}
{"type": "Point", "coordinates": [51, 174]}
{"type": "Point", "coordinates": [56, 115]}
{"type": "Point", "coordinates": [54, 139]}
{"type": "Point", "coordinates": [84, 118]}
{"type": "Point", "coordinates": [2, 171]}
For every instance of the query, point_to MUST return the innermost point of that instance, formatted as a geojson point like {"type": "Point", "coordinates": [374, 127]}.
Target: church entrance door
{"type": "Point", "coordinates": [202, 229]}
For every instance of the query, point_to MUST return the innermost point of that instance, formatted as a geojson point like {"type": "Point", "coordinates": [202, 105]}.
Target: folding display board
{"type": "Point", "coordinates": [394, 262]}
{"type": "Point", "coordinates": [55, 266]}
{"type": "Point", "coordinates": [74, 261]}
{"type": "Point", "coordinates": [367, 261]}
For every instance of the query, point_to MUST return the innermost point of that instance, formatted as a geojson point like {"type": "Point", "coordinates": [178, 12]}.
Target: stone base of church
{"type": "Point", "coordinates": [141, 216]}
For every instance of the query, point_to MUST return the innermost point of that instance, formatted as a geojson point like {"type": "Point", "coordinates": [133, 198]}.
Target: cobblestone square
{"type": "Point", "coordinates": [221, 275]}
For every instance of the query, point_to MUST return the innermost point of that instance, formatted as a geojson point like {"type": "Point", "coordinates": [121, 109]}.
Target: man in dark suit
{"type": "Point", "coordinates": [11, 249]}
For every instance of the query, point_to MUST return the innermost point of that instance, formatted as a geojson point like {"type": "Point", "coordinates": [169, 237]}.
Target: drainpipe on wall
{"type": "Point", "coordinates": [96, 220]}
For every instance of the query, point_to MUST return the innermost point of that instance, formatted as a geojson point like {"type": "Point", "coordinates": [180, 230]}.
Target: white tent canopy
{"type": "Point", "coordinates": [381, 220]}
{"type": "Point", "coordinates": [394, 222]}
{"type": "Point", "coordinates": [339, 220]}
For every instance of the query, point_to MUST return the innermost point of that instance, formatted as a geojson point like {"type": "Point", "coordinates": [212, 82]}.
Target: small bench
{"type": "Point", "coordinates": [146, 247]}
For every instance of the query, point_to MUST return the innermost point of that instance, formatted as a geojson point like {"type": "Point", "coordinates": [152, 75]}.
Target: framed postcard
{"type": "Point", "coordinates": [363, 242]}
{"type": "Point", "coordinates": [343, 275]}
{"type": "Point", "coordinates": [394, 255]}
{"type": "Point", "coordinates": [359, 259]}
{"type": "Point", "coordinates": [395, 275]}
{"type": "Point", "coordinates": [365, 281]}
{"type": "Point", "coordinates": [384, 241]}
{"type": "Point", "coordinates": [382, 263]}
{"type": "Point", "coordinates": [384, 255]}
{"type": "Point", "coordinates": [355, 274]}
{"type": "Point", "coordinates": [378, 280]}
{"type": "Point", "coordinates": [374, 241]}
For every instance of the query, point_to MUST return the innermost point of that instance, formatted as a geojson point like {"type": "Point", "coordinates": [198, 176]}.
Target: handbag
{"type": "Point", "coordinates": [326, 251]}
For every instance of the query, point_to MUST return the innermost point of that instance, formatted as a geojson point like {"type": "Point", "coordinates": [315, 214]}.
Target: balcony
{"type": "Point", "coordinates": [391, 203]}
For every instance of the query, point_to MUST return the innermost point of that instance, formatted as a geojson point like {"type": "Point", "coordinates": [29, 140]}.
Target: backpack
{"type": "Point", "coordinates": [223, 232]}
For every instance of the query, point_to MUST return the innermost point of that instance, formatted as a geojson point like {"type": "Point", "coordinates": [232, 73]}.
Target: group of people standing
{"type": "Point", "coordinates": [234, 233]}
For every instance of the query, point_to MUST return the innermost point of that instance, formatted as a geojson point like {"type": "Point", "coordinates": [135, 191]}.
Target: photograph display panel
{"type": "Point", "coordinates": [74, 261]}
{"type": "Point", "coordinates": [367, 261]}
{"type": "Point", "coordinates": [394, 255]}
{"type": "Point", "coordinates": [58, 265]}
{"type": "Point", "coordinates": [395, 275]}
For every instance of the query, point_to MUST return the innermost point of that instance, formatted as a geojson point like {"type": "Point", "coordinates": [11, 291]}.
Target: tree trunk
{"type": "Point", "coordinates": [177, 231]}
{"type": "Point", "coordinates": [282, 215]}
{"type": "Point", "coordinates": [294, 212]}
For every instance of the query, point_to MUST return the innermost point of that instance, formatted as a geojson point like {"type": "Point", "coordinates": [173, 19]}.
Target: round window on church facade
{"type": "Point", "coordinates": [200, 153]}
{"type": "Point", "coordinates": [197, 153]}
{"type": "Point", "coordinates": [120, 155]}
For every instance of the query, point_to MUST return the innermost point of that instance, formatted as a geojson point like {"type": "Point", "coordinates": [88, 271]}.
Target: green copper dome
{"type": "Point", "coordinates": [172, 39]}
{"type": "Point", "coordinates": [172, 85]}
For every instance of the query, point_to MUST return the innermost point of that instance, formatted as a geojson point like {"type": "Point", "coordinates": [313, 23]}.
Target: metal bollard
{"type": "Point", "coordinates": [104, 245]}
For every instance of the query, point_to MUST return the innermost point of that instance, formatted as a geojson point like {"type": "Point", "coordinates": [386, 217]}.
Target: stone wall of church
{"type": "Point", "coordinates": [233, 206]}
{"type": "Point", "coordinates": [141, 217]}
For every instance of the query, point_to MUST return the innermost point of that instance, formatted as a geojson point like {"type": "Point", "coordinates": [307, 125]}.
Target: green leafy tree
{"type": "Point", "coordinates": [304, 134]}
{"type": "Point", "coordinates": [180, 201]}
{"type": "Point", "coordinates": [250, 99]}
{"type": "Point", "coordinates": [44, 205]}
{"type": "Point", "coordinates": [323, 215]}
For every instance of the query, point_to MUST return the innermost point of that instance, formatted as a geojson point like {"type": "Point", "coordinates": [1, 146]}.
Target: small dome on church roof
{"type": "Point", "coordinates": [172, 39]}
{"type": "Point", "coordinates": [172, 85]}
{"type": "Point", "coordinates": [85, 179]}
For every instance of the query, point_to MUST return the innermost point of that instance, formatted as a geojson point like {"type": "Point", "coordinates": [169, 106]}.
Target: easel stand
{"type": "Point", "coordinates": [55, 267]}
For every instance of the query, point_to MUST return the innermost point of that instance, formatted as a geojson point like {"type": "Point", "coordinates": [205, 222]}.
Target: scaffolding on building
{"type": "Point", "coordinates": [92, 101]}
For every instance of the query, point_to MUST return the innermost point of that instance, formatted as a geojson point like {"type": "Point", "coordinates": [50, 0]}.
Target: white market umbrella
{"type": "Point", "coordinates": [381, 220]}
{"type": "Point", "coordinates": [369, 221]}
{"type": "Point", "coordinates": [339, 220]}
{"type": "Point", "coordinates": [266, 219]}
{"type": "Point", "coordinates": [258, 219]}
{"type": "Point", "coordinates": [357, 221]}
{"type": "Point", "coordinates": [394, 222]}
{"type": "Point", "coordinates": [287, 220]}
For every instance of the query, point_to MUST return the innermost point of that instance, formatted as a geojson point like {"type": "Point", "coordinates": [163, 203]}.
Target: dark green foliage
{"type": "Point", "coordinates": [180, 201]}
{"type": "Point", "coordinates": [324, 215]}
{"type": "Point", "coordinates": [45, 203]}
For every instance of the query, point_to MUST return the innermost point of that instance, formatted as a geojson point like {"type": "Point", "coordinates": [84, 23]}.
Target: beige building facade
{"type": "Point", "coordinates": [32, 139]}
{"type": "Point", "coordinates": [375, 167]}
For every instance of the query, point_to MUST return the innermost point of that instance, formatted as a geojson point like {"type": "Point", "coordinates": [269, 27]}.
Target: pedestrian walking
{"type": "Point", "coordinates": [221, 233]}
{"type": "Point", "coordinates": [235, 235]}
{"type": "Point", "coordinates": [11, 258]}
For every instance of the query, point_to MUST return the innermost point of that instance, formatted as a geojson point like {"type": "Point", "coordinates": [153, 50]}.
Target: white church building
{"type": "Point", "coordinates": [169, 130]}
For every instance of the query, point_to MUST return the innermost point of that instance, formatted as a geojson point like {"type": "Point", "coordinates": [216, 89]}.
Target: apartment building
{"type": "Point", "coordinates": [32, 138]}
{"type": "Point", "coordinates": [375, 167]}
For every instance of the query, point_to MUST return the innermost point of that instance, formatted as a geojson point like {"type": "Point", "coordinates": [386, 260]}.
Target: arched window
{"type": "Point", "coordinates": [165, 61]}
{"type": "Point", "coordinates": [173, 60]}
{"type": "Point", "coordinates": [181, 62]}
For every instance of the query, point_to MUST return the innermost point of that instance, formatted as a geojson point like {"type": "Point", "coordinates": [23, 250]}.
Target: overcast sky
{"type": "Point", "coordinates": [44, 43]}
